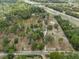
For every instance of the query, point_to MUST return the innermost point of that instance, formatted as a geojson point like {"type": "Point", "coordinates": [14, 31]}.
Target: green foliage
{"type": "Point", "coordinates": [9, 56]}
{"type": "Point", "coordinates": [5, 41]}
{"type": "Point", "coordinates": [3, 25]}
{"type": "Point", "coordinates": [35, 35]}
{"type": "Point", "coordinates": [71, 32]}
{"type": "Point", "coordinates": [6, 46]}
{"type": "Point", "coordinates": [58, 9]}
{"type": "Point", "coordinates": [72, 13]}
{"type": "Point", "coordinates": [61, 55]}
{"type": "Point", "coordinates": [22, 57]}
{"type": "Point", "coordinates": [75, 9]}
{"type": "Point", "coordinates": [70, 10]}
{"type": "Point", "coordinates": [48, 38]}
{"type": "Point", "coordinates": [56, 55]}
{"type": "Point", "coordinates": [14, 28]}
{"type": "Point", "coordinates": [13, 12]}
{"type": "Point", "coordinates": [51, 1]}
{"type": "Point", "coordinates": [56, 26]}
{"type": "Point", "coordinates": [15, 16]}
{"type": "Point", "coordinates": [37, 46]}
{"type": "Point", "coordinates": [49, 27]}
{"type": "Point", "coordinates": [10, 49]}
{"type": "Point", "coordinates": [37, 10]}
{"type": "Point", "coordinates": [22, 11]}
{"type": "Point", "coordinates": [16, 41]}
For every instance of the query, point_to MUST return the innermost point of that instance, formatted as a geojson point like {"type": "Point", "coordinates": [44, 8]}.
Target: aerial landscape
{"type": "Point", "coordinates": [39, 29]}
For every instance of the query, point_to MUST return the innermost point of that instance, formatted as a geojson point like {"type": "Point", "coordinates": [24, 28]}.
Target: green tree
{"type": "Point", "coordinates": [16, 40]}
{"type": "Point", "coordinates": [37, 46]}
{"type": "Point", "coordinates": [49, 27]}
{"type": "Point", "coordinates": [56, 55]}
{"type": "Point", "coordinates": [22, 57]}
{"type": "Point", "coordinates": [48, 38]}
{"type": "Point", "coordinates": [9, 56]}
{"type": "Point", "coordinates": [56, 26]}
{"type": "Point", "coordinates": [5, 41]}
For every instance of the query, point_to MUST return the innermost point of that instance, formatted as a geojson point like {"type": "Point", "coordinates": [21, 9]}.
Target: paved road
{"type": "Point", "coordinates": [31, 53]}
{"type": "Point", "coordinates": [72, 19]}
{"type": "Point", "coordinates": [27, 53]}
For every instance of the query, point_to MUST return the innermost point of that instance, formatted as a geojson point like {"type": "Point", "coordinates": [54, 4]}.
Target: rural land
{"type": "Point", "coordinates": [39, 29]}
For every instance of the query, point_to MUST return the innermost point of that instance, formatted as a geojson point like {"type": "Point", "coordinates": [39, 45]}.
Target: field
{"type": "Point", "coordinates": [38, 32]}
{"type": "Point", "coordinates": [26, 28]}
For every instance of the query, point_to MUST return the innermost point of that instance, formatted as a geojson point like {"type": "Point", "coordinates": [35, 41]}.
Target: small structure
{"type": "Point", "coordinates": [52, 23]}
